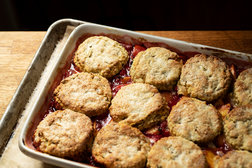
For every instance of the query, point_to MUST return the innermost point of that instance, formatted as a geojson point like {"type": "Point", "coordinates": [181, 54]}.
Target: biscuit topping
{"type": "Point", "coordinates": [156, 66]}
{"type": "Point", "coordinates": [102, 55]}
{"type": "Point", "coordinates": [85, 93]}
{"type": "Point", "coordinates": [139, 105]}
{"type": "Point", "coordinates": [205, 78]}
{"type": "Point", "coordinates": [194, 120]}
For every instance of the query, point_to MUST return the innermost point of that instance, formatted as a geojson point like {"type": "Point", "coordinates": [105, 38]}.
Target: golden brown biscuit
{"type": "Point", "coordinates": [65, 133]}
{"type": "Point", "coordinates": [100, 54]}
{"type": "Point", "coordinates": [204, 77]}
{"type": "Point", "coordinates": [120, 145]}
{"type": "Point", "coordinates": [139, 105]}
{"type": "Point", "coordinates": [85, 93]}
{"type": "Point", "coordinates": [176, 152]}
{"type": "Point", "coordinates": [242, 94]}
{"type": "Point", "coordinates": [156, 66]}
{"type": "Point", "coordinates": [235, 159]}
{"type": "Point", "coordinates": [194, 120]}
{"type": "Point", "coordinates": [238, 127]}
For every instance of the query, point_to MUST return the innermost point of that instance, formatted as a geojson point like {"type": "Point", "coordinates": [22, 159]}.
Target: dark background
{"type": "Point", "coordinates": [133, 15]}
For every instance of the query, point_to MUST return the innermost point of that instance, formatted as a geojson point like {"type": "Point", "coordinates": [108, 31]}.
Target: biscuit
{"type": "Point", "coordinates": [176, 152]}
{"type": "Point", "coordinates": [102, 55]}
{"type": "Point", "coordinates": [204, 77]}
{"type": "Point", "coordinates": [85, 93]}
{"type": "Point", "coordinates": [238, 127]}
{"type": "Point", "coordinates": [120, 145]}
{"type": "Point", "coordinates": [235, 159]}
{"type": "Point", "coordinates": [66, 134]}
{"type": "Point", "coordinates": [139, 105]}
{"type": "Point", "coordinates": [242, 94]}
{"type": "Point", "coordinates": [194, 120]}
{"type": "Point", "coordinates": [156, 66]}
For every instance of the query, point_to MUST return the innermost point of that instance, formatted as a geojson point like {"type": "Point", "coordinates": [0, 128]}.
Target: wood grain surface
{"type": "Point", "coordinates": [18, 48]}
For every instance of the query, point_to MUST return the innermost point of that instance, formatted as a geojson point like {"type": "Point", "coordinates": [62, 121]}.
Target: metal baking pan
{"type": "Point", "coordinates": [21, 97]}
{"type": "Point", "coordinates": [126, 36]}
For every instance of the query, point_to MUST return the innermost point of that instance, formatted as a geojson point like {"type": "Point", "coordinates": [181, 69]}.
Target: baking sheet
{"type": "Point", "coordinates": [126, 35]}
{"type": "Point", "coordinates": [22, 101]}
{"type": "Point", "coordinates": [27, 91]}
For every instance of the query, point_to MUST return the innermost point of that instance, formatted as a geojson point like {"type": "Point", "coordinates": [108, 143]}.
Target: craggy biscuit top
{"type": "Point", "coordinates": [64, 133]}
{"type": "Point", "coordinates": [157, 66]}
{"type": "Point", "coordinates": [235, 159]}
{"type": "Point", "coordinates": [85, 93]}
{"type": "Point", "coordinates": [100, 54]}
{"type": "Point", "coordinates": [204, 77]}
{"type": "Point", "coordinates": [243, 88]}
{"type": "Point", "coordinates": [194, 120]}
{"type": "Point", "coordinates": [140, 105]}
{"type": "Point", "coordinates": [120, 145]}
{"type": "Point", "coordinates": [176, 152]}
{"type": "Point", "coordinates": [238, 127]}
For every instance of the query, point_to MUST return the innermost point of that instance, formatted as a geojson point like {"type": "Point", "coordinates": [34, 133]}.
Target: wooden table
{"type": "Point", "coordinates": [18, 48]}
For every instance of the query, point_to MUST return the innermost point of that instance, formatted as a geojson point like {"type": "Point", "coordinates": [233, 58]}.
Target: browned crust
{"type": "Point", "coordinates": [85, 93]}
{"type": "Point", "coordinates": [194, 120]}
{"type": "Point", "coordinates": [120, 145]}
{"type": "Point", "coordinates": [204, 77]}
{"type": "Point", "coordinates": [156, 66]}
{"type": "Point", "coordinates": [139, 105]}
{"type": "Point", "coordinates": [66, 134]}
{"type": "Point", "coordinates": [238, 127]}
